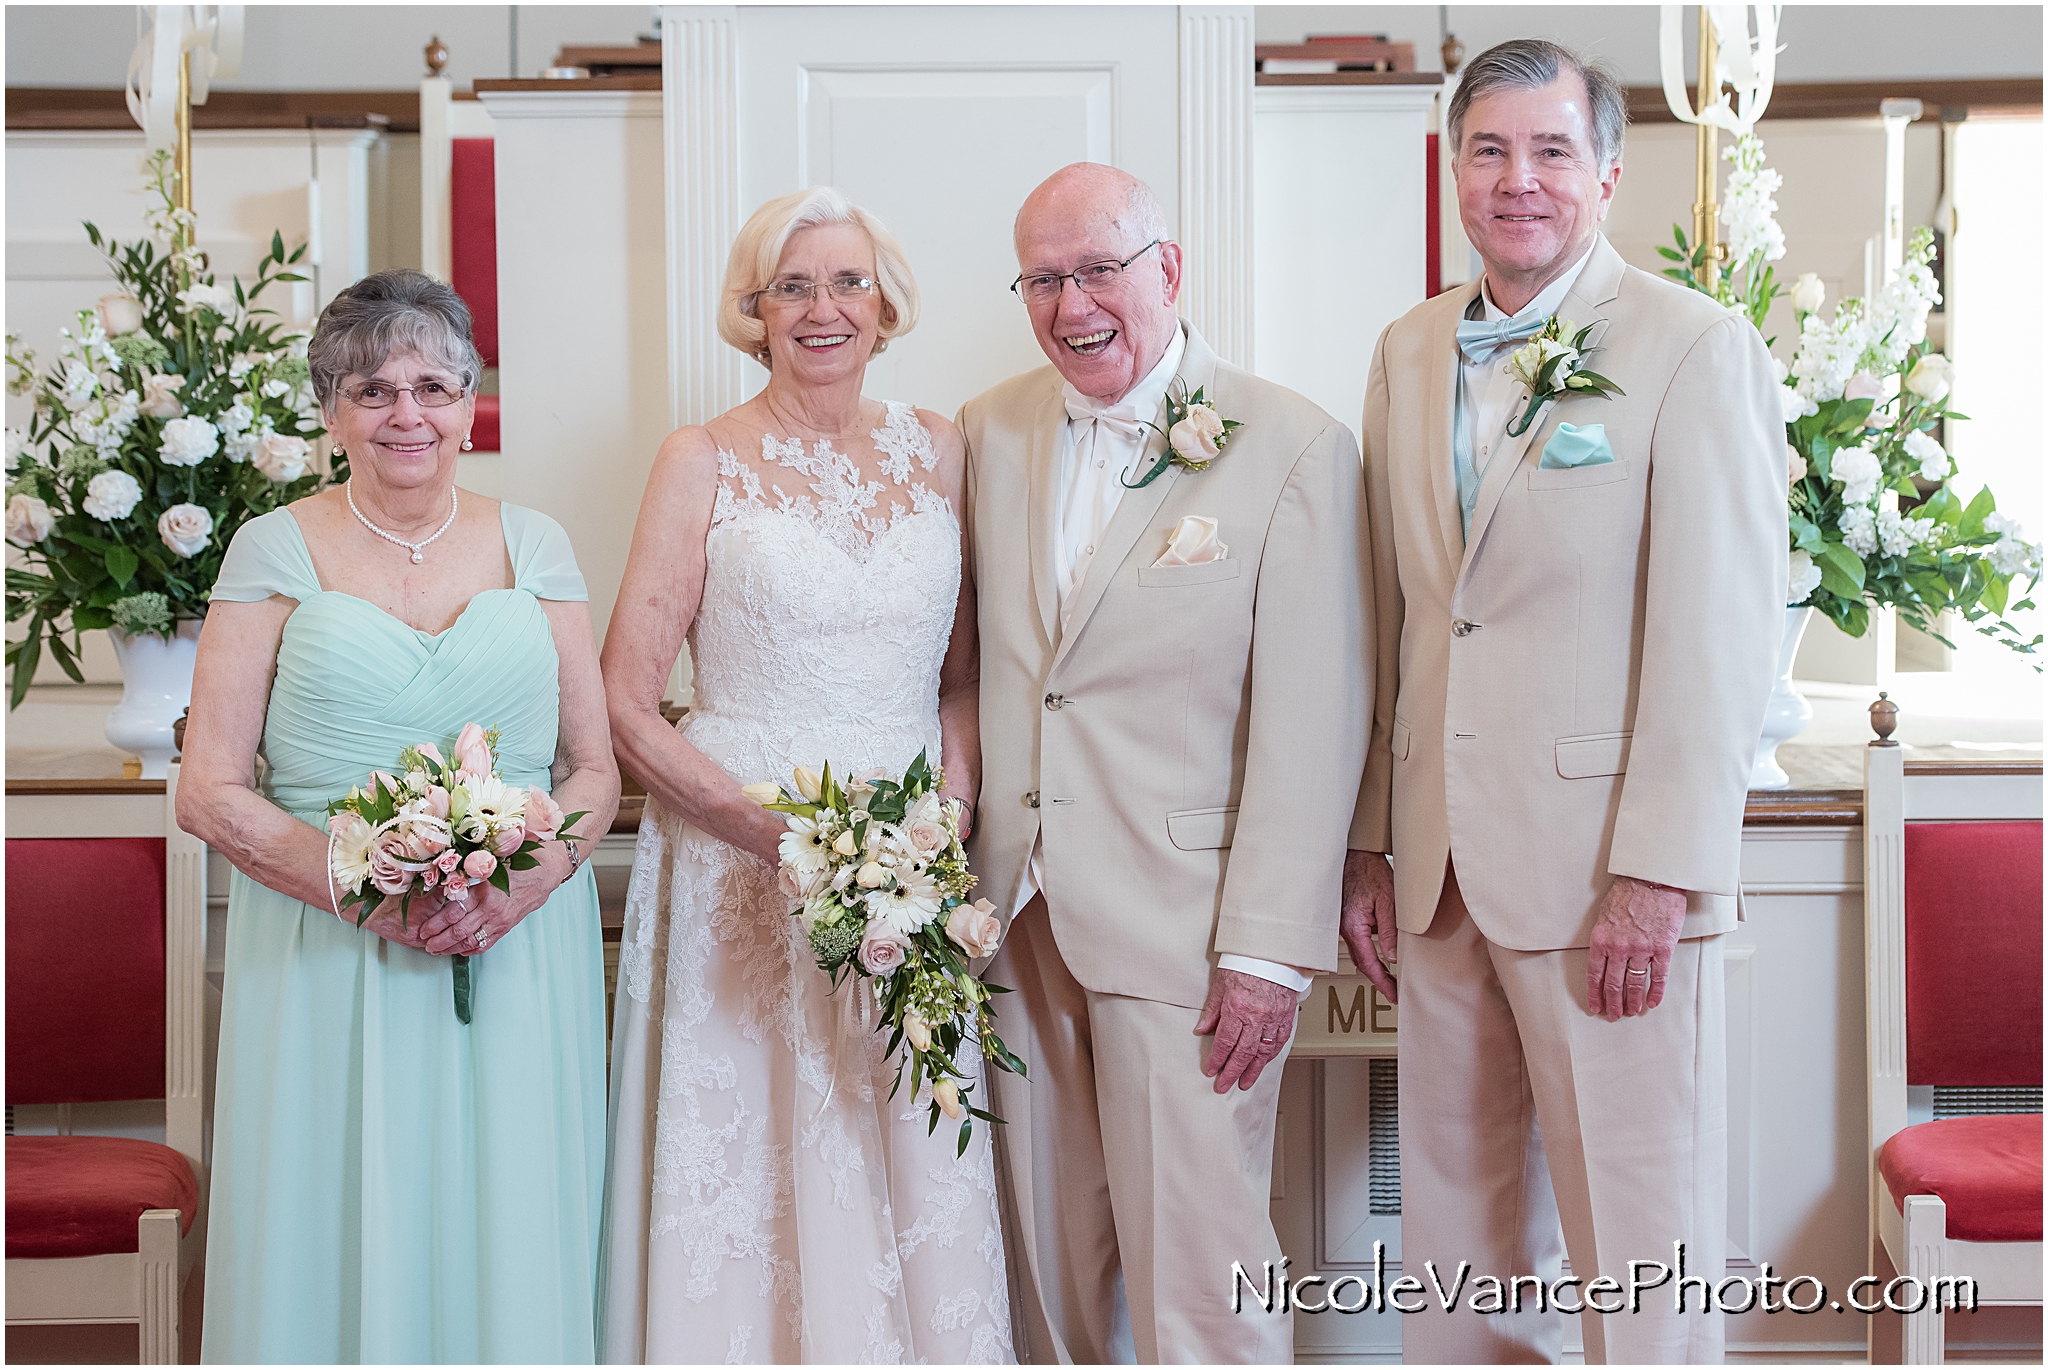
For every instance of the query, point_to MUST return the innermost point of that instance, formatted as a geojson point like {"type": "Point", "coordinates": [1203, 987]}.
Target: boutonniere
{"type": "Point", "coordinates": [1195, 435]}
{"type": "Point", "coordinates": [1552, 367]}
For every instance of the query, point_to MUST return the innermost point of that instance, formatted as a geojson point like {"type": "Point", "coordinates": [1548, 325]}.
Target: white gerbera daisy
{"type": "Point", "coordinates": [494, 807]}
{"type": "Point", "coordinates": [911, 903]}
{"type": "Point", "coordinates": [806, 847]}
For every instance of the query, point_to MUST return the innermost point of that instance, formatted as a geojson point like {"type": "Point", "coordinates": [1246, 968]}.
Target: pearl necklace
{"type": "Point", "coordinates": [418, 549]}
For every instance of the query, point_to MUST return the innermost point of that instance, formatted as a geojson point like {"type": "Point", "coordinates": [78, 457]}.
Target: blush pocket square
{"type": "Point", "coordinates": [1193, 543]}
{"type": "Point", "coordinates": [1572, 445]}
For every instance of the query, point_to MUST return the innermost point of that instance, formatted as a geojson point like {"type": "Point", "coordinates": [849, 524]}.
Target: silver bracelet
{"type": "Point", "coordinates": [575, 856]}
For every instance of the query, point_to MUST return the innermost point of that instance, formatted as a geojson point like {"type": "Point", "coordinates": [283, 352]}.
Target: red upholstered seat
{"type": "Point", "coordinates": [1986, 1169]}
{"type": "Point", "coordinates": [82, 1196]}
{"type": "Point", "coordinates": [484, 432]}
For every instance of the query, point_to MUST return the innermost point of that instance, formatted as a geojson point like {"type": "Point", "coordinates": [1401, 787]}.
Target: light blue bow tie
{"type": "Point", "coordinates": [1480, 339]}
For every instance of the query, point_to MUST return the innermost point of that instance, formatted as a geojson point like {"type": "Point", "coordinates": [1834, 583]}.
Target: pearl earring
{"type": "Point", "coordinates": [466, 443]}
{"type": "Point", "coordinates": [338, 451]}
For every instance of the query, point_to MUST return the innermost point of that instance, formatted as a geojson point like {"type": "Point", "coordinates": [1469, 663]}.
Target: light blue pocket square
{"type": "Point", "coordinates": [1572, 445]}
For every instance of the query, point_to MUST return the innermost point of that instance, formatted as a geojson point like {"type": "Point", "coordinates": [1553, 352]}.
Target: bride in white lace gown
{"type": "Point", "coordinates": [766, 1199]}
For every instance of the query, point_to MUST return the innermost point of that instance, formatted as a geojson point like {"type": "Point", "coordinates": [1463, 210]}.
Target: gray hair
{"type": "Point", "coordinates": [1530, 64]}
{"type": "Point", "coordinates": [384, 314]}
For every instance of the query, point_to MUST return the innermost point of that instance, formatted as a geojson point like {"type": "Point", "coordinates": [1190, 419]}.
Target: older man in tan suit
{"type": "Point", "coordinates": [1172, 723]}
{"type": "Point", "coordinates": [1578, 619]}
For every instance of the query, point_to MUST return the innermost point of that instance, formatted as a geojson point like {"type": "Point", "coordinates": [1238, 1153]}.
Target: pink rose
{"type": "Point", "coordinates": [543, 815]}
{"type": "Point", "coordinates": [1863, 386]}
{"type": "Point", "coordinates": [456, 889]}
{"type": "Point", "coordinates": [478, 865]}
{"type": "Point", "coordinates": [508, 841]}
{"type": "Point", "coordinates": [881, 951]}
{"type": "Point", "coordinates": [437, 801]}
{"type": "Point", "coordinates": [422, 846]}
{"type": "Point", "coordinates": [385, 871]}
{"type": "Point", "coordinates": [926, 837]}
{"type": "Point", "coordinates": [448, 860]}
{"type": "Point", "coordinates": [975, 929]}
{"type": "Point", "coordinates": [472, 753]}
{"type": "Point", "coordinates": [430, 877]}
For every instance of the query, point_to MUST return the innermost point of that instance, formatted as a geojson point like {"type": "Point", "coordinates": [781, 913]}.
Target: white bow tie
{"type": "Point", "coordinates": [1123, 419]}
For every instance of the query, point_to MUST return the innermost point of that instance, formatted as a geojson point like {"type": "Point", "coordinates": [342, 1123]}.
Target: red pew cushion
{"type": "Point", "coordinates": [484, 432]}
{"type": "Point", "coordinates": [82, 1196]}
{"type": "Point", "coordinates": [1987, 1170]}
{"type": "Point", "coordinates": [1973, 953]}
{"type": "Point", "coordinates": [473, 239]}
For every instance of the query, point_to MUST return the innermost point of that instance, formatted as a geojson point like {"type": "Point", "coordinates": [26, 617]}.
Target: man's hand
{"type": "Point", "coordinates": [1634, 934]}
{"type": "Point", "coordinates": [1368, 919]}
{"type": "Point", "coordinates": [1252, 1020]}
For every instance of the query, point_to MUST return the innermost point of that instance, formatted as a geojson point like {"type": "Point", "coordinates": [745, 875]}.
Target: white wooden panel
{"type": "Point", "coordinates": [1340, 231]}
{"type": "Point", "coordinates": [85, 815]}
{"type": "Point", "coordinates": [1982, 797]}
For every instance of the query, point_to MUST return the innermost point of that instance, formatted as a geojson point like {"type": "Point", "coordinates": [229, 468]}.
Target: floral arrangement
{"type": "Point", "coordinates": [1551, 367]}
{"type": "Point", "coordinates": [453, 824]}
{"type": "Point", "coordinates": [881, 884]}
{"type": "Point", "coordinates": [1875, 520]}
{"type": "Point", "coordinates": [175, 412]}
{"type": "Point", "coordinates": [1195, 435]}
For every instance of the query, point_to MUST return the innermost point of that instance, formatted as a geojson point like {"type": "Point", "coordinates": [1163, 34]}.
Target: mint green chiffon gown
{"type": "Point", "coordinates": [388, 1184]}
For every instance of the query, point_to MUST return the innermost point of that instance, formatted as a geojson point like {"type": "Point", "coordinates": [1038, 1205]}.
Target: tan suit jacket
{"type": "Point", "coordinates": [1188, 750]}
{"type": "Point", "coordinates": [1598, 713]}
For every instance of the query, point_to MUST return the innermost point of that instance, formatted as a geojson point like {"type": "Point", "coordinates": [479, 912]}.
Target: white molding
{"type": "Point", "coordinates": [1373, 99]}
{"type": "Point", "coordinates": [572, 104]}
{"type": "Point", "coordinates": [1216, 69]}
{"type": "Point", "coordinates": [701, 146]}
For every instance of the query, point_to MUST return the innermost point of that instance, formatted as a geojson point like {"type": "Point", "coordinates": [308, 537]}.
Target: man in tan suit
{"type": "Point", "coordinates": [1172, 722]}
{"type": "Point", "coordinates": [1577, 628]}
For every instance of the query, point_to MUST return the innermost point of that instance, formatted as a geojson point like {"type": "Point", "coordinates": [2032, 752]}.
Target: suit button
{"type": "Point", "coordinates": [1053, 701]}
{"type": "Point", "coordinates": [1463, 628]}
{"type": "Point", "coordinates": [1031, 799]}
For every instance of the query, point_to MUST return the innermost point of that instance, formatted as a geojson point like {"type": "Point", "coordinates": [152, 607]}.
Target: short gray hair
{"type": "Point", "coordinates": [384, 314]}
{"type": "Point", "coordinates": [1531, 64]}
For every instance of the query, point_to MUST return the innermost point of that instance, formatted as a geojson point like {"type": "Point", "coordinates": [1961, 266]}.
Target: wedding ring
{"type": "Point", "coordinates": [1633, 971]}
{"type": "Point", "coordinates": [482, 939]}
{"type": "Point", "coordinates": [1265, 1041]}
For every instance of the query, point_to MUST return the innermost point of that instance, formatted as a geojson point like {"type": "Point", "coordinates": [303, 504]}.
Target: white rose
{"type": "Point", "coordinates": [219, 298]}
{"type": "Point", "coordinates": [185, 529]}
{"type": "Point", "coordinates": [1199, 435]}
{"type": "Point", "coordinates": [28, 520]}
{"type": "Point", "coordinates": [1802, 579]}
{"type": "Point", "coordinates": [282, 458]}
{"type": "Point", "coordinates": [112, 495]}
{"type": "Point", "coordinates": [1793, 405]}
{"type": "Point", "coordinates": [1808, 293]}
{"type": "Point", "coordinates": [188, 441]}
{"type": "Point", "coordinates": [1931, 376]}
{"type": "Point", "coordinates": [1859, 471]}
{"type": "Point", "coordinates": [160, 397]}
{"type": "Point", "coordinates": [119, 313]}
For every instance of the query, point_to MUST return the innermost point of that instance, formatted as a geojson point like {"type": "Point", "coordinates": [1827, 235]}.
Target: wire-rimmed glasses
{"type": "Point", "coordinates": [375, 394]}
{"type": "Point", "coordinates": [845, 288]}
{"type": "Point", "coordinates": [1042, 287]}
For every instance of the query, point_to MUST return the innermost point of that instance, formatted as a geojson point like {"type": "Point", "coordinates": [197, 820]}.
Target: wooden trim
{"type": "Point", "coordinates": [647, 80]}
{"type": "Point", "coordinates": [1859, 99]}
{"type": "Point", "coordinates": [1973, 768]}
{"type": "Point", "coordinates": [75, 787]}
{"type": "Point", "coordinates": [46, 108]}
{"type": "Point", "coordinates": [1803, 808]}
{"type": "Point", "coordinates": [1351, 78]}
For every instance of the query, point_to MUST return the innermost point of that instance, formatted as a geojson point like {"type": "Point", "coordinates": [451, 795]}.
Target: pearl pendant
{"type": "Point", "coordinates": [418, 556]}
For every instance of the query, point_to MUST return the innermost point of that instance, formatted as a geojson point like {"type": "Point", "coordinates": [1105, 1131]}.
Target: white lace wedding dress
{"type": "Point", "coordinates": [767, 1200]}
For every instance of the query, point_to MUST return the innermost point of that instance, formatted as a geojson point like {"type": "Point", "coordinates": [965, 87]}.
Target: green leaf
{"type": "Point", "coordinates": [1805, 534]}
{"type": "Point", "coordinates": [25, 657]}
{"type": "Point", "coordinates": [121, 564]}
{"type": "Point", "coordinates": [85, 619]}
{"type": "Point", "coordinates": [1980, 508]}
{"type": "Point", "coordinates": [1841, 570]}
{"type": "Point", "coordinates": [1670, 255]}
{"type": "Point", "coordinates": [61, 649]}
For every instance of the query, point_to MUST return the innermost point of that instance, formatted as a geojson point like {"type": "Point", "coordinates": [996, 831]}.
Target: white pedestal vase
{"type": "Point", "coordinates": [1787, 714]}
{"type": "Point", "coordinates": [156, 687]}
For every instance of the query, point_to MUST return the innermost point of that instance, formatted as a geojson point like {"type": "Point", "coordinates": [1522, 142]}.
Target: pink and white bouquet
{"type": "Point", "coordinates": [452, 824]}
{"type": "Point", "coordinates": [880, 882]}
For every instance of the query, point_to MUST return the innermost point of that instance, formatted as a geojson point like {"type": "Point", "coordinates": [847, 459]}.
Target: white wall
{"type": "Point", "coordinates": [1823, 42]}
{"type": "Point", "coordinates": [321, 47]}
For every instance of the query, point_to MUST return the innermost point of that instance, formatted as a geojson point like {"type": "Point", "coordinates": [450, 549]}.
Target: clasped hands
{"type": "Point", "coordinates": [1635, 931]}
{"type": "Point", "coordinates": [441, 926]}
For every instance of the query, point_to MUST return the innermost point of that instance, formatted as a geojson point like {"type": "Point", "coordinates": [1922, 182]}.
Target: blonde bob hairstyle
{"type": "Point", "coordinates": [758, 250]}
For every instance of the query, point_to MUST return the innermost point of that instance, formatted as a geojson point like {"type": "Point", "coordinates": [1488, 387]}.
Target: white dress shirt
{"type": "Point", "coordinates": [1102, 448]}
{"type": "Point", "coordinates": [1485, 390]}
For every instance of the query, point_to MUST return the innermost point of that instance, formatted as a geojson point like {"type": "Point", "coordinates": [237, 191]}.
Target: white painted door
{"type": "Point", "coordinates": [939, 120]}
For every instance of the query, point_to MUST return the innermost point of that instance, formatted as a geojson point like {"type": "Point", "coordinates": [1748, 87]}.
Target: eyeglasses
{"type": "Point", "coordinates": [383, 394]}
{"type": "Point", "coordinates": [803, 292]}
{"type": "Point", "coordinates": [1043, 287]}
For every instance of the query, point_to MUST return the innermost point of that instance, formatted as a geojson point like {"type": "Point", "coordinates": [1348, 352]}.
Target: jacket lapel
{"type": "Point", "coordinates": [1585, 303]}
{"type": "Point", "coordinates": [1135, 512]}
{"type": "Point", "coordinates": [1443, 401]}
{"type": "Point", "coordinates": [1043, 454]}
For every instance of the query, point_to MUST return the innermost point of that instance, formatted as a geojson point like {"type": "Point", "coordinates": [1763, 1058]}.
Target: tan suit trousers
{"type": "Point", "coordinates": [1118, 1154]}
{"type": "Point", "coordinates": [1520, 1109]}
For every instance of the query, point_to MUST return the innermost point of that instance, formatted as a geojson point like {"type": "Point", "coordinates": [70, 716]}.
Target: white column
{"type": "Point", "coordinates": [1216, 69]}
{"type": "Point", "coordinates": [338, 209]}
{"type": "Point", "coordinates": [700, 123]}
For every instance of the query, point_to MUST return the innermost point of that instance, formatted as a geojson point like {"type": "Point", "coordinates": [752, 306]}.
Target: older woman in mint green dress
{"type": "Point", "coordinates": [388, 1183]}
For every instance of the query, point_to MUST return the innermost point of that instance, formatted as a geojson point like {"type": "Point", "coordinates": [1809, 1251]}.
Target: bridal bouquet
{"type": "Point", "coordinates": [452, 824]}
{"type": "Point", "coordinates": [881, 882]}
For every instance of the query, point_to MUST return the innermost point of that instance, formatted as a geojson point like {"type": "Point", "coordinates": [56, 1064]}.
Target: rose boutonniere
{"type": "Point", "coordinates": [1552, 367]}
{"type": "Point", "coordinates": [1195, 435]}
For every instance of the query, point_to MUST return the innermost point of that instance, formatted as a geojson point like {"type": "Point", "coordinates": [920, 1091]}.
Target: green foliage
{"type": "Point", "coordinates": [86, 423]}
